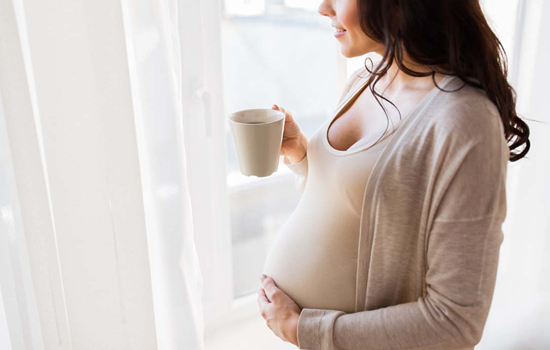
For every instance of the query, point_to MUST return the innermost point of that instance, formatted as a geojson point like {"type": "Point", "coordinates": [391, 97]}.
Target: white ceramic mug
{"type": "Point", "coordinates": [257, 136]}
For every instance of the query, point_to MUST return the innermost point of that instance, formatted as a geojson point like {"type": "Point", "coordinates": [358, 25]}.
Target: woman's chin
{"type": "Point", "coordinates": [344, 51]}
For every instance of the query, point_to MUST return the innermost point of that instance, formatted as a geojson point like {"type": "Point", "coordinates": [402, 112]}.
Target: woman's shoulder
{"type": "Point", "coordinates": [459, 123]}
{"type": "Point", "coordinates": [465, 110]}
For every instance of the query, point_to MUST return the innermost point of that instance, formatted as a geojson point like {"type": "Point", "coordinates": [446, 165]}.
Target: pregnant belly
{"type": "Point", "coordinates": [315, 263]}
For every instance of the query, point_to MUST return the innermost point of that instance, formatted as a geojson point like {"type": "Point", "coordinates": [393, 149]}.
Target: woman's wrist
{"type": "Point", "coordinates": [293, 331]}
{"type": "Point", "coordinates": [301, 154]}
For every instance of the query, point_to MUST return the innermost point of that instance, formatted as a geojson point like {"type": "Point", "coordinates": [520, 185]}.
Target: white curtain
{"type": "Point", "coordinates": [96, 243]}
{"type": "Point", "coordinates": [520, 312]}
{"type": "Point", "coordinates": [155, 70]}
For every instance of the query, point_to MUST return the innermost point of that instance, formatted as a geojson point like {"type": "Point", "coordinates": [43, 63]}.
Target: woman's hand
{"type": "Point", "coordinates": [294, 145]}
{"type": "Point", "coordinates": [279, 310]}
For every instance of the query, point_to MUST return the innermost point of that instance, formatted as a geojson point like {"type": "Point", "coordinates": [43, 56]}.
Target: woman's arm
{"type": "Point", "coordinates": [451, 316]}
{"type": "Point", "coordinates": [300, 170]}
{"type": "Point", "coordinates": [462, 257]}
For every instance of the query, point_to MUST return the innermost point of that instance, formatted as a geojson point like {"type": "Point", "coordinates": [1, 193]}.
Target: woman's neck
{"type": "Point", "coordinates": [395, 80]}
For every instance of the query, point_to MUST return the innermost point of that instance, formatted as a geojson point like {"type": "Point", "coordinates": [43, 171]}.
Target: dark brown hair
{"type": "Point", "coordinates": [450, 37]}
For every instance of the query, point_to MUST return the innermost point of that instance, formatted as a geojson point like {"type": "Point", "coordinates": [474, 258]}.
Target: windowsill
{"type": "Point", "coordinates": [236, 180]}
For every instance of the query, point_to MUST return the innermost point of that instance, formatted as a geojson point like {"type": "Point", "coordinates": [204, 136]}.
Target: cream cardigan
{"type": "Point", "coordinates": [429, 250]}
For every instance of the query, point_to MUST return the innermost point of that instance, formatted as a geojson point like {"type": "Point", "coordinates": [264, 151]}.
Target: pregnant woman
{"type": "Point", "coordinates": [395, 241]}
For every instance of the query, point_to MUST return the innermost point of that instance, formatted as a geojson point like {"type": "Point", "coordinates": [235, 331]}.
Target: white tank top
{"type": "Point", "coordinates": [314, 257]}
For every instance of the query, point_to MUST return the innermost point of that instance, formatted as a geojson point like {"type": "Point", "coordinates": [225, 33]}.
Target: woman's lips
{"type": "Point", "coordinates": [338, 33]}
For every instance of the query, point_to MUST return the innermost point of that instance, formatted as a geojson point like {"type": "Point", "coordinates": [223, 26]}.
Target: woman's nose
{"type": "Point", "coordinates": [324, 9]}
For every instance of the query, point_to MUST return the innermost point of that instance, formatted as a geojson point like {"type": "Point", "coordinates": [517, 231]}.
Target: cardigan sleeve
{"type": "Point", "coordinates": [300, 169]}
{"type": "Point", "coordinates": [462, 257]}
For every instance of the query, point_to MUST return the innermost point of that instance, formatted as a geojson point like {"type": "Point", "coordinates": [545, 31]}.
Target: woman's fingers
{"type": "Point", "coordinates": [262, 297]}
{"type": "Point", "coordinates": [263, 302]}
{"type": "Point", "coordinates": [292, 129]}
{"type": "Point", "coordinates": [288, 115]}
{"type": "Point", "coordinates": [271, 290]}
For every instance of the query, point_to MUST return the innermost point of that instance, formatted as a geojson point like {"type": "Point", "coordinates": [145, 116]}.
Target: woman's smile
{"type": "Point", "coordinates": [339, 32]}
{"type": "Point", "coordinates": [344, 17]}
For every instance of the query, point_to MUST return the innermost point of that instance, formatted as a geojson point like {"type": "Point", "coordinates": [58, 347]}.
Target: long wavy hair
{"type": "Point", "coordinates": [448, 36]}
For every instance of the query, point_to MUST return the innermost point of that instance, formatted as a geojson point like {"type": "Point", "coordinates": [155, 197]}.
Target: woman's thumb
{"type": "Point", "coordinates": [288, 115]}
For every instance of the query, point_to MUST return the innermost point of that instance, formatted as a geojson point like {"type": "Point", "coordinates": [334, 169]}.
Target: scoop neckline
{"type": "Point", "coordinates": [418, 107]}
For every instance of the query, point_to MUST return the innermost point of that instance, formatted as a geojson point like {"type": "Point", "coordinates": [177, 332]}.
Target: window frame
{"type": "Point", "coordinates": [212, 223]}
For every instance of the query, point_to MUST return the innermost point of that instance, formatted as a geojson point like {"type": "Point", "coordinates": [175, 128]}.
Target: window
{"type": "Point", "coordinates": [283, 52]}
